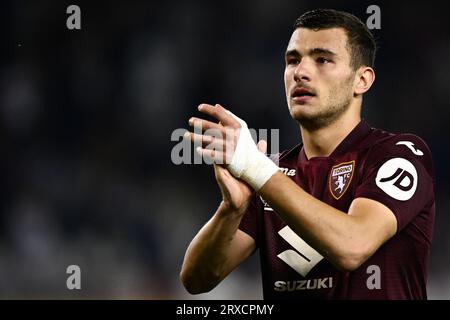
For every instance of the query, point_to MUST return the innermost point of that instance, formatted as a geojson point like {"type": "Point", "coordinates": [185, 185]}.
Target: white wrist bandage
{"type": "Point", "coordinates": [248, 163]}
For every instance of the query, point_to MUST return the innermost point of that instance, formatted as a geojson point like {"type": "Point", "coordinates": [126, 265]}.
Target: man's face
{"type": "Point", "coordinates": [318, 78]}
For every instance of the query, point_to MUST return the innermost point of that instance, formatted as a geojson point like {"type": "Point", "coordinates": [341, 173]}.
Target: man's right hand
{"type": "Point", "coordinates": [236, 194]}
{"type": "Point", "coordinates": [219, 247]}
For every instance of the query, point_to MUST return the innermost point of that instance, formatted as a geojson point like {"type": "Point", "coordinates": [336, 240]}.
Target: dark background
{"type": "Point", "coordinates": [86, 118]}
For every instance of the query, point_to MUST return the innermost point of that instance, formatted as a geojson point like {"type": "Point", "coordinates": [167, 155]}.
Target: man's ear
{"type": "Point", "coordinates": [364, 78]}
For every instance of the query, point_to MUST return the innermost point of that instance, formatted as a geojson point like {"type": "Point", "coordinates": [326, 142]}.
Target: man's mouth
{"type": "Point", "coordinates": [301, 94]}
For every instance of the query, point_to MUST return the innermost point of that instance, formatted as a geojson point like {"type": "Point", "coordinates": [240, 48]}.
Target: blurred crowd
{"type": "Point", "coordinates": [86, 118]}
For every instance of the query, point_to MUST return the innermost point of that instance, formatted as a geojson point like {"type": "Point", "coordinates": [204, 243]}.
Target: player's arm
{"type": "Point", "coordinates": [216, 250]}
{"type": "Point", "coordinates": [346, 240]}
{"type": "Point", "coordinates": [219, 247]}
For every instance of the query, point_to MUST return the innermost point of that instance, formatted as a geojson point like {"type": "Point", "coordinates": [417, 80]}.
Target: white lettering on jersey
{"type": "Point", "coordinates": [398, 178]}
{"type": "Point", "coordinates": [297, 285]}
{"type": "Point", "coordinates": [301, 263]}
{"type": "Point", "coordinates": [411, 147]}
{"type": "Point", "coordinates": [289, 172]}
{"type": "Point", "coordinates": [266, 205]}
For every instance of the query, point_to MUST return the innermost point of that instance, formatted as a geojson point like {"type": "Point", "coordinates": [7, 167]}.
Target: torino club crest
{"type": "Point", "coordinates": [340, 177]}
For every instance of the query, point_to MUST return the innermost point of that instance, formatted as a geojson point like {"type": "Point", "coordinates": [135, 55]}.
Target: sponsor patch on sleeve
{"type": "Point", "coordinates": [398, 178]}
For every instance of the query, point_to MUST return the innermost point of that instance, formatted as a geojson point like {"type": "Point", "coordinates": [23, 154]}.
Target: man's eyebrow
{"type": "Point", "coordinates": [292, 52]}
{"type": "Point", "coordinates": [322, 51]}
{"type": "Point", "coordinates": [312, 51]}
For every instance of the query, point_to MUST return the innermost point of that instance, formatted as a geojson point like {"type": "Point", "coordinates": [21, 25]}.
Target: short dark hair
{"type": "Point", "coordinates": [361, 43]}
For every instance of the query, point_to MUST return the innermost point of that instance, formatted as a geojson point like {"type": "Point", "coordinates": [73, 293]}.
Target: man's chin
{"type": "Point", "coordinates": [302, 112]}
{"type": "Point", "coordinates": [308, 120]}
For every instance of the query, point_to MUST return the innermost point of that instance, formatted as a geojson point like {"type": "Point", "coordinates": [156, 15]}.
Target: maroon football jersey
{"type": "Point", "coordinates": [393, 169]}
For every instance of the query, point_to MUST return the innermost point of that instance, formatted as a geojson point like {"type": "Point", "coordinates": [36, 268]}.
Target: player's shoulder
{"type": "Point", "coordinates": [382, 145]}
{"type": "Point", "coordinates": [398, 143]}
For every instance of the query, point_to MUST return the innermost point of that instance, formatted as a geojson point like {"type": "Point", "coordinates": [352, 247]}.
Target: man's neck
{"type": "Point", "coordinates": [322, 142]}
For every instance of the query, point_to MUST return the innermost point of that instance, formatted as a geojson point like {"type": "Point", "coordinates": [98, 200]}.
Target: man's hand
{"type": "Point", "coordinates": [236, 194]}
{"type": "Point", "coordinates": [218, 140]}
{"type": "Point", "coordinates": [229, 142]}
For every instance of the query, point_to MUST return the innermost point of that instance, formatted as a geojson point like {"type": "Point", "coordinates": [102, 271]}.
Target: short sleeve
{"type": "Point", "coordinates": [398, 173]}
{"type": "Point", "coordinates": [249, 222]}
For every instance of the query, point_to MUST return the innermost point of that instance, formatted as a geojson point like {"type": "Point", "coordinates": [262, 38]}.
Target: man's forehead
{"type": "Point", "coordinates": [334, 39]}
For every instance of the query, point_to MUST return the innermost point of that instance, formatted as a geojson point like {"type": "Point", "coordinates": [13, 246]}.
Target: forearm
{"type": "Point", "coordinates": [206, 261]}
{"type": "Point", "coordinates": [346, 239]}
{"type": "Point", "coordinates": [337, 236]}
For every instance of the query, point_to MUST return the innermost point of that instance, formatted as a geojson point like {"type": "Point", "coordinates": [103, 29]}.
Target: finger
{"type": "Point", "coordinates": [262, 146]}
{"type": "Point", "coordinates": [225, 181]}
{"type": "Point", "coordinates": [221, 173]}
{"type": "Point", "coordinates": [211, 156]}
{"type": "Point", "coordinates": [198, 138]}
{"type": "Point", "coordinates": [217, 143]}
{"type": "Point", "coordinates": [220, 114]}
{"type": "Point", "coordinates": [223, 176]}
{"type": "Point", "coordinates": [211, 142]}
{"type": "Point", "coordinates": [204, 124]}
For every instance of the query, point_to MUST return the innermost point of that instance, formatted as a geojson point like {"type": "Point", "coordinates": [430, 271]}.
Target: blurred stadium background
{"type": "Point", "coordinates": [86, 119]}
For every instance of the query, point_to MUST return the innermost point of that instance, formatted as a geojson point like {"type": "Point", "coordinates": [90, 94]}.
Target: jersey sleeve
{"type": "Point", "coordinates": [249, 222]}
{"type": "Point", "coordinates": [398, 173]}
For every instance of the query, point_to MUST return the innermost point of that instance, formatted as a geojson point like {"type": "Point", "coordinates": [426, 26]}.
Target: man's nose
{"type": "Point", "coordinates": [302, 72]}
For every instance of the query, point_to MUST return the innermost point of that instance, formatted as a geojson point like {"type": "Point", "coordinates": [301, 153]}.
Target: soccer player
{"type": "Point", "coordinates": [348, 213]}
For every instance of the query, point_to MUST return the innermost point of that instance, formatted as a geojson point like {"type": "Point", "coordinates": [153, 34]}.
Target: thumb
{"type": "Point", "coordinates": [262, 146]}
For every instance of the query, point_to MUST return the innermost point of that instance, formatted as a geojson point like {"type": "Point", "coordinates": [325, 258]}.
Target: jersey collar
{"type": "Point", "coordinates": [355, 136]}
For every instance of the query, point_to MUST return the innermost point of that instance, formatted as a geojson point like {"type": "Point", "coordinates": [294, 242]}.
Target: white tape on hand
{"type": "Point", "coordinates": [248, 163]}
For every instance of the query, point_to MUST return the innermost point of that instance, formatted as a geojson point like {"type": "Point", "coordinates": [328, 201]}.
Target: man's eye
{"type": "Point", "coordinates": [322, 60]}
{"type": "Point", "coordinates": [292, 61]}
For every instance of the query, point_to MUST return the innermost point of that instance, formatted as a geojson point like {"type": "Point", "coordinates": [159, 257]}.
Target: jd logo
{"type": "Point", "coordinates": [404, 176]}
{"type": "Point", "coordinates": [398, 178]}
{"type": "Point", "coordinates": [303, 262]}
